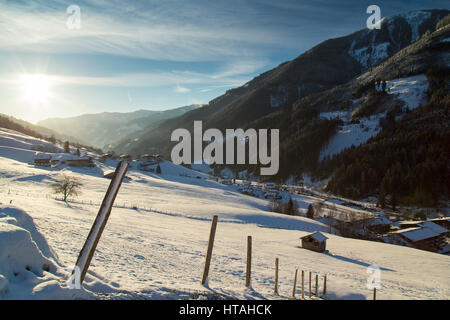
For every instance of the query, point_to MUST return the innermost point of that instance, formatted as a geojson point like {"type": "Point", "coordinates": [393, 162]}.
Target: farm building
{"type": "Point", "coordinates": [84, 161]}
{"type": "Point", "coordinates": [315, 241]}
{"type": "Point", "coordinates": [374, 224]}
{"type": "Point", "coordinates": [42, 159]}
{"type": "Point", "coordinates": [426, 236]}
{"type": "Point", "coordinates": [47, 160]}
{"type": "Point", "coordinates": [105, 157]}
{"type": "Point", "coordinates": [443, 222]}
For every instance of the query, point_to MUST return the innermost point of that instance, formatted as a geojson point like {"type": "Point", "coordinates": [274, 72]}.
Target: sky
{"type": "Point", "coordinates": [122, 56]}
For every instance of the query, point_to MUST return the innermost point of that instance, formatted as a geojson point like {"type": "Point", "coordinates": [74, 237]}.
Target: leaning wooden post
{"type": "Point", "coordinates": [324, 284]}
{"type": "Point", "coordinates": [212, 234]}
{"type": "Point", "coordinates": [249, 261]}
{"type": "Point", "coordinates": [374, 293]}
{"type": "Point", "coordinates": [295, 283]}
{"type": "Point", "coordinates": [87, 252]}
{"type": "Point", "coordinates": [303, 284]}
{"type": "Point", "coordinates": [317, 285]}
{"type": "Point", "coordinates": [276, 276]}
{"type": "Point", "coordinates": [310, 284]}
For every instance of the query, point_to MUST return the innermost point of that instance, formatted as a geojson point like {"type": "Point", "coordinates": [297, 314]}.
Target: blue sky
{"type": "Point", "coordinates": [156, 55]}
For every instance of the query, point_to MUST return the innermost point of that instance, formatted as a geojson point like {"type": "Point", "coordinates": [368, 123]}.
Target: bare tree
{"type": "Point", "coordinates": [67, 186]}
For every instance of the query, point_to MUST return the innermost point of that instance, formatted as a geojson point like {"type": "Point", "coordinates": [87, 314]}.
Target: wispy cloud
{"type": "Point", "coordinates": [180, 89]}
{"type": "Point", "coordinates": [196, 34]}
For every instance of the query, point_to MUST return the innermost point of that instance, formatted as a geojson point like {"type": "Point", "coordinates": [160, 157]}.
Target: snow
{"type": "Point", "coordinates": [157, 250]}
{"type": "Point", "coordinates": [28, 267]}
{"type": "Point", "coordinates": [352, 134]}
{"type": "Point", "coordinates": [319, 237]}
{"type": "Point", "coordinates": [411, 90]}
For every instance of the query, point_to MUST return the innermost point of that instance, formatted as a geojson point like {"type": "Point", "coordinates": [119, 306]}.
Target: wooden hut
{"type": "Point", "coordinates": [315, 241]}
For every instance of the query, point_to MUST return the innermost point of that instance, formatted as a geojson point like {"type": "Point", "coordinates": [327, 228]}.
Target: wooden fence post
{"type": "Point", "coordinates": [295, 283]}
{"type": "Point", "coordinates": [87, 252]}
{"type": "Point", "coordinates": [276, 276]}
{"type": "Point", "coordinates": [324, 284]}
{"type": "Point", "coordinates": [212, 234]}
{"type": "Point", "coordinates": [317, 285]}
{"type": "Point", "coordinates": [310, 284]}
{"type": "Point", "coordinates": [249, 262]}
{"type": "Point", "coordinates": [303, 284]}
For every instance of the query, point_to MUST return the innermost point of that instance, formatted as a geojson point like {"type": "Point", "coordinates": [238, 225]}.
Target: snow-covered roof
{"type": "Point", "coordinates": [426, 230]}
{"type": "Point", "coordinates": [60, 157]}
{"type": "Point", "coordinates": [378, 221]}
{"type": "Point", "coordinates": [433, 226]}
{"type": "Point", "coordinates": [318, 236]}
{"type": "Point", "coordinates": [42, 156]}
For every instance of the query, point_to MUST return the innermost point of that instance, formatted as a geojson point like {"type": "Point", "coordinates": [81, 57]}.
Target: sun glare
{"type": "Point", "coordinates": [36, 88]}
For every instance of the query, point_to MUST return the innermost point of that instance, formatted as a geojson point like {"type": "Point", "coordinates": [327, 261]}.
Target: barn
{"type": "Point", "coordinates": [315, 241]}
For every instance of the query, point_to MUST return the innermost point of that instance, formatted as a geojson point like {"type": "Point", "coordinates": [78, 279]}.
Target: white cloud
{"type": "Point", "coordinates": [164, 34]}
{"type": "Point", "coordinates": [180, 89]}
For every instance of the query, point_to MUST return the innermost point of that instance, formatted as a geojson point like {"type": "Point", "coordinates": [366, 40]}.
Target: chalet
{"type": "Point", "coordinates": [443, 222]}
{"type": "Point", "coordinates": [105, 157]}
{"type": "Point", "coordinates": [226, 181]}
{"type": "Point", "coordinates": [374, 224]}
{"type": "Point", "coordinates": [84, 161]}
{"type": "Point", "coordinates": [42, 159]}
{"type": "Point", "coordinates": [426, 236]}
{"type": "Point", "coordinates": [315, 241]}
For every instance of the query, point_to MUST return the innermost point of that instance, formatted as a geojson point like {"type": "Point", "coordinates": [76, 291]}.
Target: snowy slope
{"type": "Point", "coordinates": [157, 251]}
{"type": "Point", "coordinates": [411, 91]}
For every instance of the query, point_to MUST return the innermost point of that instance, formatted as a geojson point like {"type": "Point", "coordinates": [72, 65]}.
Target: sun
{"type": "Point", "coordinates": [36, 88]}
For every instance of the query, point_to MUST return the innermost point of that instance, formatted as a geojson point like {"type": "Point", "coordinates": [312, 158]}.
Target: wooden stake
{"type": "Point", "coordinates": [317, 285]}
{"type": "Point", "coordinates": [303, 284]}
{"type": "Point", "coordinates": [310, 284]}
{"type": "Point", "coordinates": [374, 293]}
{"type": "Point", "coordinates": [249, 261]}
{"type": "Point", "coordinates": [276, 276]}
{"type": "Point", "coordinates": [295, 283]}
{"type": "Point", "coordinates": [324, 284]}
{"type": "Point", "coordinates": [88, 250]}
{"type": "Point", "coordinates": [212, 234]}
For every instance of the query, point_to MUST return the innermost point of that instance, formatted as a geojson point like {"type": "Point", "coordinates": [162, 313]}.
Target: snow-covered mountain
{"type": "Point", "coordinates": [108, 128]}
{"type": "Point", "coordinates": [330, 64]}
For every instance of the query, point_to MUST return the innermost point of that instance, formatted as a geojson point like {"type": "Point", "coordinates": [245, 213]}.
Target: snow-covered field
{"type": "Point", "coordinates": [157, 251]}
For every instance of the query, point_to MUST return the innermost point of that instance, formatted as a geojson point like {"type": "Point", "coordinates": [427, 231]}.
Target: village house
{"type": "Point", "coordinates": [315, 241]}
{"type": "Point", "coordinates": [105, 157]}
{"type": "Point", "coordinates": [424, 235]}
{"type": "Point", "coordinates": [48, 160]}
{"type": "Point", "coordinates": [84, 161]}
{"type": "Point", "coordinates": [147, 162]}
{"type": "Point", "coordinates": [443, 222]}
{"type": "Point", "coordinates": [42, 159]}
